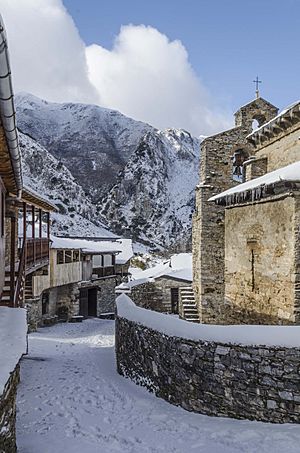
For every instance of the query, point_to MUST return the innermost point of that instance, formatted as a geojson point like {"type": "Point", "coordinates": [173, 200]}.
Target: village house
{"type": "Point", "coordinates": [13, 326]}
{"type": "Point", "coordinates": [246, 237]}
{"type": "Point", "coordinates": [166, 287]}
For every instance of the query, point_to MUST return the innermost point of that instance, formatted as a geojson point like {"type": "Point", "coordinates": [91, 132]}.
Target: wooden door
{"type": "Point", "coordinates": [92, 302]}
{"type": "Point", "coordinates": [174, 300]}
{"type": "Point", "coordinates": [83, 302]}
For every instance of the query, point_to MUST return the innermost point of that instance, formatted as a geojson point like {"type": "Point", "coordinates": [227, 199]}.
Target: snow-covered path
{"type": "Point", "coordinates": [71, 400]}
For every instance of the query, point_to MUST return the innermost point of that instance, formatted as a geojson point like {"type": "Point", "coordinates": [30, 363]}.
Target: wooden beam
{"type": "Point", "coordinates": [12, 258]}
{"type": "Point", "coordinates": [40, 223]}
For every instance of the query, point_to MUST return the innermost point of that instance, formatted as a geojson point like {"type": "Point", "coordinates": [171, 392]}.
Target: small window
{"type": "Point", "coordinates": [60, 257]}
{"type": "Point", "coordinates": [68, 256]}
{"type": "Point", "coordinates": [107, 260]}
{"type": "Point", "coordinates": [240, 156]}
{"type": "Point", "coordinates": [76, 256]}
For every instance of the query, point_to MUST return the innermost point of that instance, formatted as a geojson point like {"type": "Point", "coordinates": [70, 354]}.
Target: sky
{"type": "Point", "coordinates": [170, 63]}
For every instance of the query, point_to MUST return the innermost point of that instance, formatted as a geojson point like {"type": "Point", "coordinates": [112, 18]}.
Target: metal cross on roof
{"type": "Point", "coordinates": [257, 81]}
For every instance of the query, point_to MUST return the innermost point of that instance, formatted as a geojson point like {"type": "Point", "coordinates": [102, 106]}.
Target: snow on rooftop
{"type": "Point", "coordinates": [289, 173]}
{"type": "Point", "coordinates": [13, 341]}
{"type": "Point", "coordinates": [126, 251]}
{"type": "Point", "coordinates": [284, 336]}
{"type": "Point", "coordinates": [87, 246]}
{"type": "Point", "coordinates": [280, 114]}
{"type": "Point", "coordinates": [178, 266]}
{"type": "Point", "coordinates": [121, 246]}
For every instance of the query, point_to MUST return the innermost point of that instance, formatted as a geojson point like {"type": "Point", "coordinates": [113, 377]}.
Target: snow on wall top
{"type": "Point", "coordinates": [281, 336]}
{"type": "Point", "coordinates": [13, 341]}
{"type": "Point", "coordinates": [289, 173]}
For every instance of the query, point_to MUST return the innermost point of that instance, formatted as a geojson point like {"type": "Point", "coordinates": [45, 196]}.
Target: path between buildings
{"type": "Point", "coordinates": [71, 400]}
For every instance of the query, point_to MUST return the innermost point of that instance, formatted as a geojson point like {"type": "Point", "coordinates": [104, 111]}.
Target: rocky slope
{"type": "Point", "coordinates": [94, 143]}
{"type": "Point", "coordinates": [136, 180]}
{"type": "Point", "coordinates": [44, 174]}
{"type": "Point", "coordinates": [153, 199]}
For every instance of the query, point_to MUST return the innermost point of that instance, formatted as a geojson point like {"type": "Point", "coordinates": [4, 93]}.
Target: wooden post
{"type": "Point", "coordinates": [24, 221]}
{"type": "Point", "coordinates": [33, 230]}
{"type": "Point", "coordinates": [12, 259]}
{"type": "Point", "coordinates": [40, 233]}
{"type": "Point", "coordinates": [40, 223]}
{"type": "Point", "coordinates": [48, 225]}
{"type": "Point", "coordinates": [25, 229]}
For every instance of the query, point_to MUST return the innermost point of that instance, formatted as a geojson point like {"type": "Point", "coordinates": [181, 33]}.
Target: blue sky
{"type": "Point", "coordinates": [229, 42]}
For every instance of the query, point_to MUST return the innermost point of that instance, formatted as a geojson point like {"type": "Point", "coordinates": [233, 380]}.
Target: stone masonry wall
{"type": "Point", "coordinates": [260, 263]}
{"type": "Point", "coordinates": [156, 295]}
{"type": "Point", "coordinates": [208, 222]}
{"type": "Point", "coordinates": [8, 414]}
{"type": "Point", "coordinates": [246, 382]}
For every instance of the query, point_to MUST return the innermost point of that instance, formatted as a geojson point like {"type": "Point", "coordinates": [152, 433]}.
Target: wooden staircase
{"type": "Point", "coordinates": [188, 304]}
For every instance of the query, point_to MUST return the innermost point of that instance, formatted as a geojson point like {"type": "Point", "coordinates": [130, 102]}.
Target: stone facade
{"type": "Point", "coordinates": [216, 175]}
{"type": "Point", "coordinates": [260, 263]}
{"type": "Point", "coordinates": [246, 382]}
{"type": "Point", "coordinates": [8, 414]}
{"type": "Point", "coordinates": [157, 295]}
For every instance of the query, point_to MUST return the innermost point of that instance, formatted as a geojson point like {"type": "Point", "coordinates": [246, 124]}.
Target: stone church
{"type": "Point", "coordinates": [246, 228]}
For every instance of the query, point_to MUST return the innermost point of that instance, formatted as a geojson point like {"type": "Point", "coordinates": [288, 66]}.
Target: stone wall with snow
{"type": "Point", "coordinates": [247, 372]}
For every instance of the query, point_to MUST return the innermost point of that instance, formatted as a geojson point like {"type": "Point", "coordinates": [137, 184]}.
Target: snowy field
{"type": "Point", "coordinates": [71, 400]}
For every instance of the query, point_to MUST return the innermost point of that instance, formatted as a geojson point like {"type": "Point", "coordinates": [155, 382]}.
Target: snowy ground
{"type": "Point", "coordinates": [71, 400]}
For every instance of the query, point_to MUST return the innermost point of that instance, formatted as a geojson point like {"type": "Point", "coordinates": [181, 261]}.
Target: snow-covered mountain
{"type": "Point", "coordinates": [50, 178]}
{"type": "Point", "coordinates": [153, 199]}
{"type": "Point", "coordinates": [122, 173]}
{"type": "Point", "coordinates": [94, 143]}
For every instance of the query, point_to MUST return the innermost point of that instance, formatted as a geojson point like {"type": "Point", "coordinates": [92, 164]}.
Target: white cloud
{"type": "Point", "coordinates": [47, 54]}
{"type": "Point", "coordinates": [145, 75]}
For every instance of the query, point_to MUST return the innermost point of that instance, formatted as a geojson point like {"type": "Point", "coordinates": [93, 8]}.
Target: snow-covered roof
{"type": "Point", "coordinates": [85, 245]}
{"type": "Point", "coordinates": [289, 173]}
{"type": "Point", "coordinates": [178, 267]}
{"type": "Point", "coordinates": [31, 196]}
{"type": "Point", "coordinates": [126, 251]}
{"type": "Point", "coordinates": [287, 112]}
{"type": "Point", "coordinates": [123, 247]}
{"type": "Point", "coordinates": [13, 343]}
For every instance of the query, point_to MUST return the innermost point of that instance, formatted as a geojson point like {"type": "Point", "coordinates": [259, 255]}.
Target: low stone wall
{"type": "Point", "coordinates": [8, 414]}
{"type": "Point", "coordinates": [246, 382]}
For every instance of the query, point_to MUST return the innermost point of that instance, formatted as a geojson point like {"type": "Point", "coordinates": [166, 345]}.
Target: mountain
{"type": "Point", "coordinates": [153, 199]}
{"type": "Point", "coordinates": [94, 143]}
{"type": "Point", "coordinates": [111, 171]}
{"type": "Point", "coordinates": [47, 176]}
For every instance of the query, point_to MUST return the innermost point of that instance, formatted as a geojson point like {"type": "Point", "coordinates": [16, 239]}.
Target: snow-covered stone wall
{"type": "Point", "coordinates": [192, 367]}
{"type": "Point", "coordinates": [8, 413]}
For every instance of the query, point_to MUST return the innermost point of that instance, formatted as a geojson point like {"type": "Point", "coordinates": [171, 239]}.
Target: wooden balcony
{"type": "Point", "coordinates": [37, 251]}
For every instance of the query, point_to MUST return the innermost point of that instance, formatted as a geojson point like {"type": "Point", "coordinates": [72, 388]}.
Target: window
{"type": "Point", "coordinates": [60, 257]}
{"type": "Point", "coordinates": [107, 260]}
{"type": "Point", "coordinates": [76, 255]}
{"type": "Point", "coordinates": [240, 156]}
{"type": "Point", "coordinates": [68, 256]}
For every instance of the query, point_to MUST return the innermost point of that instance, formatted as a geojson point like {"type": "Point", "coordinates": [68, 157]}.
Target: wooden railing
{"type": "Point", "coordinates": [37, 250]}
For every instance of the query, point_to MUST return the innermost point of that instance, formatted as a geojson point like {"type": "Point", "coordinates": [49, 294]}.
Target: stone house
{"type": "Point", "coordinates": [166, 288]}
{"type": "Point", "coordinates": [81, 280]}
{"type": "Point", "coordinates": [247, 241]}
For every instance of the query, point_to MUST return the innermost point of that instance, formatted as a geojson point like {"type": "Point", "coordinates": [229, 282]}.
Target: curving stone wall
{"type": "Point", "coordinates": [239, 381]}
{"type": "Point", "coordinates": [8, 413]}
